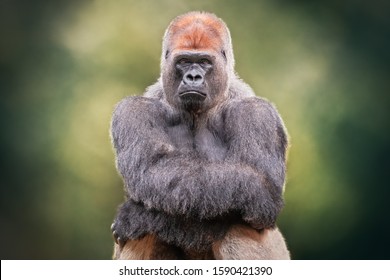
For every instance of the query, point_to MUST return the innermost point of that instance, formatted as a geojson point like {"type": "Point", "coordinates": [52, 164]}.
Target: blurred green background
{"type": "Point", "coordinates": [65, 64]}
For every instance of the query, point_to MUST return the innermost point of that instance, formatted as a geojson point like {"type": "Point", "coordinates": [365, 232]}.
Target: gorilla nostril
{"type": "Point", "coordinates": [192, 78]}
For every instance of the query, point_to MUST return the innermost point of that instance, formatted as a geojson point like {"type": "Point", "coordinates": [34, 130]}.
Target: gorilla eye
{"type": "Point", "coordinates": [183, 61]}
{"type": "Point", "coordinates": [205, 61]}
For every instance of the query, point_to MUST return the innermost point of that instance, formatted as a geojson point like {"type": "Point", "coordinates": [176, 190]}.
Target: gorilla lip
{"type": "Point", "coordinates": [192, 93]}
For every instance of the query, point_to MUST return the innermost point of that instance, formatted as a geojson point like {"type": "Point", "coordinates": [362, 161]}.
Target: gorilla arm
{"type": "Point", "coordinates": [163, 178]}
{"type": "Point", "coordinates": [257, 141]}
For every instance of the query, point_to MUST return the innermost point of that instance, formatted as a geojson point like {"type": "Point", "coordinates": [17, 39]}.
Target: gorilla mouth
{"type": "Point", "coordinates": [192, 95]}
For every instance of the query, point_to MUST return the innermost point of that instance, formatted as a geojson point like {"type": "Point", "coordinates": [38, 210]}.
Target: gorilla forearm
{"type": "Point", "coordinates": [206, 191]}
{"type": "Point", "coordinates": [135, 221]}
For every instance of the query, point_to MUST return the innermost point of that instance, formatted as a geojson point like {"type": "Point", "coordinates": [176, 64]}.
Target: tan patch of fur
{"type": "Point", "coordinates": [240, 243]}
{"type": "Point", "coordinates": [147, 248]}
{"type": "Point", "coordinates": [141, 249]}
{"type": "Point", "coordinates": [245, 243]}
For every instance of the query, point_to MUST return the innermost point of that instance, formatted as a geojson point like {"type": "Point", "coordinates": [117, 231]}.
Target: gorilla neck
{"type": "Point", "coordinates": [194, 118]}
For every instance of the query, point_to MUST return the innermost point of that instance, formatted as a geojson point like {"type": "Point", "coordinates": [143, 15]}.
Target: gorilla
{"type": "Point", "coordinates": [202, 158]}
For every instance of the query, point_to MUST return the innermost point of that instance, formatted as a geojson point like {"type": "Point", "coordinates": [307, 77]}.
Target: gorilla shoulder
{"type": "Point", "coordinates": [239, 89]}
{"type": "Point", "coordinates": [133, 108]}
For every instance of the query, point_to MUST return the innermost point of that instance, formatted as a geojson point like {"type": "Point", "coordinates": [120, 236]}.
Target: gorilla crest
{"type": "Point", "coordinates": [202, 158]}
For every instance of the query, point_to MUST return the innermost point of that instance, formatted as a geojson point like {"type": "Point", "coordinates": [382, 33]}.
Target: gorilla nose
{"type": "Point", "coordinates": [193, 78]}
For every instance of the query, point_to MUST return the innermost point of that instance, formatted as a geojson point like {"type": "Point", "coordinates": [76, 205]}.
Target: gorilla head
{"type": "Point", "coordinates": [197, 62]}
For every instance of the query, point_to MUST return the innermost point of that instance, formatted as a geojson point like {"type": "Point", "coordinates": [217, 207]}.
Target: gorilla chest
{"type": "Point", "coordinates": [203, 141]}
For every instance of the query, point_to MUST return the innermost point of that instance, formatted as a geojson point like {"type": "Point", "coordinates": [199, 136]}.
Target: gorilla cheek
{"type": "Point", "coordinates": [218, 86]}
{"type": "Point", "coordinates": [171, 84]}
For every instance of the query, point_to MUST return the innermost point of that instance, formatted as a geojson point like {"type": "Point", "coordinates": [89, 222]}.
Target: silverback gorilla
{"type": "Point", "coordinates": [203, 160]}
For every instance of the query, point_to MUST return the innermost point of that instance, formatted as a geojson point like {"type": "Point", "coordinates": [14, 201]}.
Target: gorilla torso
{"type": "Point", "coordinates": [202, 134]}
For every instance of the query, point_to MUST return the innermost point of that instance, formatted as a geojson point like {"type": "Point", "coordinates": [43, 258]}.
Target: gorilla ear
{"type": "Point", "coordinates": [224, 54]}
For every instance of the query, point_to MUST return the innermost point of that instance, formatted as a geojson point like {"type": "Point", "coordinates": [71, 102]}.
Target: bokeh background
{"type": "Point", "coordinates": [65, 64]}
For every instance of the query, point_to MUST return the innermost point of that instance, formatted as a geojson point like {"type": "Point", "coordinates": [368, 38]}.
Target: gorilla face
{"type": "Point", "coordinates": [193, 71]}
{"type": "Point", "coordinates": [195, 81]}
